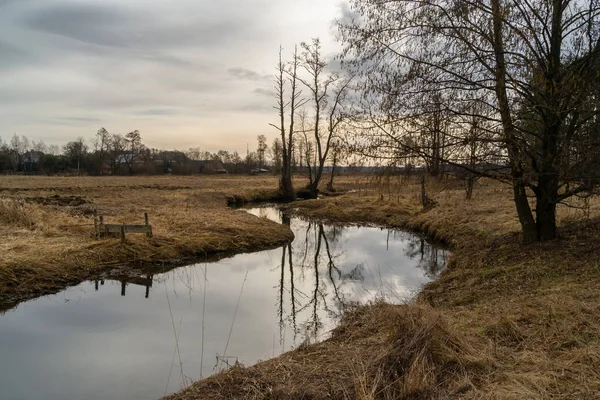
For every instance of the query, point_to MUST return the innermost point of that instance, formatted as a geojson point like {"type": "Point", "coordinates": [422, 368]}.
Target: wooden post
{"type": "Point", "coordinates": [122, 233]}
{"type": "Point", "coordinates": [96, 226]}
{"type": "Point", "coordinates": [149, 234]}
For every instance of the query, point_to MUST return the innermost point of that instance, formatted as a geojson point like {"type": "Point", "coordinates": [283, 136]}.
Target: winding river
{"type": "Point", "coordinates": [147, 336]}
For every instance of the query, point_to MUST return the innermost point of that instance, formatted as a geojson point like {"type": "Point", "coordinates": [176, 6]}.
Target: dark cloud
{"type": "Point", "coordinates": [104, 24]}
{"type": "Point", "coordinates": [91, 23]}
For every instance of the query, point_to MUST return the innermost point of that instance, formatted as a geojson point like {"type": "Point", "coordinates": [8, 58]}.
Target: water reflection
{"type": "Point", "coordinates": [337, 280]}
{"type": "Point", "coordinates": [145, 281]}
{"type": "Point", "coordinates": [141, 337]}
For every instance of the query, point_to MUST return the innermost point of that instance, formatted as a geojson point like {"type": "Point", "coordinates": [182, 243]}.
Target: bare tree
{"type": "Point", "coordinates": [286, 75]}
{"type": "Point", "coordinates": [328, 93]}
{"type": "Point", "coordinates": [277, 152]}
{"type": "Point", "coordinates": [134, 148]}
{"type": "Point", "coordinates": [117, 146]}
{"type": "Point", "coordinates": [75, 152]}
{"type": "Point", "coordinates": [261, 150]}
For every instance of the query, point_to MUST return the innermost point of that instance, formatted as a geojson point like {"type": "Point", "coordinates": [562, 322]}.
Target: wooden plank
{"type": "Point", "coordinates": [116, 228]}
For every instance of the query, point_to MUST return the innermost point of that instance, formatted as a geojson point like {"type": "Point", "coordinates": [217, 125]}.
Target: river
{"type": "Point", "coordinates": [144, 337]}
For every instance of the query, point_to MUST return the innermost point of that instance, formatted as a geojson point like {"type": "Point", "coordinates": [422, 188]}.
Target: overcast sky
{"type": "Point", "coordinates": [185, 73]}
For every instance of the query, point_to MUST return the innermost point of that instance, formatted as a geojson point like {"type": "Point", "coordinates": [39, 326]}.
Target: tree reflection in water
{"type": "Point", "coordinates": [432, 259]}
{"type": "Point", "coordinates": [315, 256]}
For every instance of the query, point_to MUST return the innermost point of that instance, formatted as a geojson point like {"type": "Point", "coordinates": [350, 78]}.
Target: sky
{"type": "Point", "coordinates": [185, 73]}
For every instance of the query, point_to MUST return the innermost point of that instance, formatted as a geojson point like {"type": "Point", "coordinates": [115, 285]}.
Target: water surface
{"type": "Point", "coordinates": [143, 337]}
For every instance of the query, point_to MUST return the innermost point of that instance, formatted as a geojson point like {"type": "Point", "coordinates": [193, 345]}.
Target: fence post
{"type": "Point", "coordinates": [96, 233]}
{"type": "Point", "coordinates": [100, 234]}
{"type": "Point", "coordinates": [149, 234]}
{"type": "Point", "coordinates": [122, 233]}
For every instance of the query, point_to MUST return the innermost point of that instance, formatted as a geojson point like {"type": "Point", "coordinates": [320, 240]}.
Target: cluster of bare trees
{"type": "Point", "coordinates": [309, 125]}
{"type": "Point", "coordinates": [502, 88]}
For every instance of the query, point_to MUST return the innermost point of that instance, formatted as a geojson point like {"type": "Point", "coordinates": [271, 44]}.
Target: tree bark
{"type": "Point", "coordinates": [546, 199]}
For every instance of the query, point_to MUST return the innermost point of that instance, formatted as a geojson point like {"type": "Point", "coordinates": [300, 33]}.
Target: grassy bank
{"type": "Point", "coordinates": [504, 321]}
{"type": "Point", "coordinates": [47, 233]}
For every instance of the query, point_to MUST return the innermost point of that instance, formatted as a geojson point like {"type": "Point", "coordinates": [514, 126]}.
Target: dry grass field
{"type": "Point", "coordinates": [47, 225]}
{"type": "Point", "coordinates": [504, 320]}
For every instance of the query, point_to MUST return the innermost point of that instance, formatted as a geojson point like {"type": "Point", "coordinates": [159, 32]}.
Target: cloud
{"type": "Point", "coordinates": [243, 73]}
{"type": "Point", "coordinates": [264, 92]}
{"type": "Point", "coordinates": [107, 24]}
{"type": "Point", "coordinates": [157, 112]}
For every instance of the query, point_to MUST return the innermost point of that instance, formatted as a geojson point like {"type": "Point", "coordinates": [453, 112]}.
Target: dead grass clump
{"type": "Point", "coordinates": [505, 332]}
{"type": "Point", "coordinates": [15, 213]}
{"type": "Point", "coordinates": [423, 359]}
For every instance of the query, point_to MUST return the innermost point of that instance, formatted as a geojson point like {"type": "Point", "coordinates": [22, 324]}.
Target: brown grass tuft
{"type": "Point", "coordinates": [16, 214]}
{"type": "Point", "coordinates": [421, 358]}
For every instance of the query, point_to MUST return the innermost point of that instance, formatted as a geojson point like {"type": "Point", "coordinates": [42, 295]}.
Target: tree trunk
{"type": "Point", "coordinates": [528, 226]}
{"type": "Point", "coordinates": [286, 187]}
{"type": "Point", "coordinates": [546, 195]}
{"type": "Point", "coordinates": [330, 183]}
{"type": "Point", "coordinates": [470, 182]}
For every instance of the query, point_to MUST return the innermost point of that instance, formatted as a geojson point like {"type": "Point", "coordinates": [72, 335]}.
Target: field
{"type": "Point", "coordinates": [47, 226]}
{"type": "Point", "coordinates": [504, 321]}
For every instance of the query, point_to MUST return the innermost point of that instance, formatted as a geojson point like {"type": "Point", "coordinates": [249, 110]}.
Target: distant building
{"type": "Point", "coordinates": [209, 167]}
{"type": "Point", "coordinates": [31, 157]}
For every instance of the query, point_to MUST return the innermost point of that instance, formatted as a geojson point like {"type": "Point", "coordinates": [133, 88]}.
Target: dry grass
{"type": "Point", "coordinates": [379, 351]}
{"type": "Point", "coordinates": [46, 226]}
{"type": "Point", "coordinates": [16, 214]}
{"type": "Point", "coordinates": [504, 321]}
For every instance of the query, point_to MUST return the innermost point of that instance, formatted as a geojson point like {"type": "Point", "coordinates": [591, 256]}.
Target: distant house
{"type": "Point", "coordinates": [30, 161]}
{"type": "Point", "coordinates": [31, 157]}
{"type": "Point", "coordinates": [209, 167]}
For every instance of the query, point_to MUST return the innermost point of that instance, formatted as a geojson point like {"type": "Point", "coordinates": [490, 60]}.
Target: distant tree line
{"type": "Point", "coordinates": [116, 154]}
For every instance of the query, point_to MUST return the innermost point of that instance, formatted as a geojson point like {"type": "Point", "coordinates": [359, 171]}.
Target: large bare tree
{"type": "Point", "coordinates": [532, 65]}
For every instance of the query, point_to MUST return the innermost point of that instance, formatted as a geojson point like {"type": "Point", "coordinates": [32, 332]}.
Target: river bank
{"type": "Point", "coordinates": [47, 226]}
{"type": "Point", "coordinates": [503, 321]}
